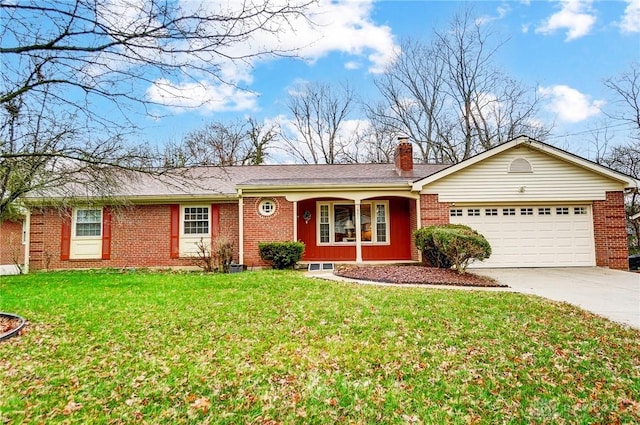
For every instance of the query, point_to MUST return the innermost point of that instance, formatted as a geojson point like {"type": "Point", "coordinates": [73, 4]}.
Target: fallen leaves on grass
{"type": "Point", "coordinates": [415, 275]}
{"type": "Point", "coordinates": [202, 405]}
{"type": "Point", "coordinates": [71, 407]}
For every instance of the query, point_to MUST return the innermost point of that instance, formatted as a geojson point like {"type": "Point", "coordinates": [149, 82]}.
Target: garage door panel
{"type": "Point", "coordinates": [541, 236]}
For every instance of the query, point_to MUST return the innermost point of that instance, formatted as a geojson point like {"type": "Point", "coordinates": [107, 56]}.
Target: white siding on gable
{"type": "Point", "coordinates": [552, 179]}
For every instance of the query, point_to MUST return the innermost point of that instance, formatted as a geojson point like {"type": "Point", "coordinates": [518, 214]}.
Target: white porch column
{"type": "Point", "coordinates": [26, 228]}
{"type": "Point", "coordinates": [240, 228]}
{"type": "Point", "coordinates": [295, 221]}
{"type": "Point", "coordinates": [418, 225]}
{"type": "Point", "coordinates": [358, 233]}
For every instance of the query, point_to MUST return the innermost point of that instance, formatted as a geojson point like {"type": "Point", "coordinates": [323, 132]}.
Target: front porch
{"type": "Point", "coordinates": [343, 230]}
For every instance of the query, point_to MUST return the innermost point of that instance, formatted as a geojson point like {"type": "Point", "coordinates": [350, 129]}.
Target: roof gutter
{"type": "Point", "coordinates": [124, 199]}
{"type": "Point", "coordinates": [323, 187]}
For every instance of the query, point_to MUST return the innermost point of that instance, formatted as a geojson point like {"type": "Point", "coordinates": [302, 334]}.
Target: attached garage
{"type": "Point", "coordinates": [538, 206]}
{"type": "Point", "coordinates": [558, 235]}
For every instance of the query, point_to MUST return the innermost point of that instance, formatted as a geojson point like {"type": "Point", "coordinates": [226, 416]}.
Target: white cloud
{"type": "Point", "coordinates": [326, 27]}
{"type": "Point", "coordinates": [569, 104]}
{"type": "Point", "coordinates": [501, 12]}
{"type": "Point", "coordinates": [576, 16]}
{"type": "Point", "coordinates": [352, 65]}
{"type": "Point", "coordinates": [631, 18]}
{"type": "Point", "coordinates": [202, 95]}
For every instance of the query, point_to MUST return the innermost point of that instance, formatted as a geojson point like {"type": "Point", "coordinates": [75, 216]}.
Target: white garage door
{"type": "Point", "coordinates": [532, 236]}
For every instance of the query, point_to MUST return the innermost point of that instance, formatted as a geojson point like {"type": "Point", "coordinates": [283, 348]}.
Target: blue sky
{"type": "Point", "coordinates": [562, 49]}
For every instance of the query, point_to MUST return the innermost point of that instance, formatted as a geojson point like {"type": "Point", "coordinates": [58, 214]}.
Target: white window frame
{"type": "Point", "coordinates": [183, 213]}
{"type": "Point", "coordinates": [374, 230]}
{"type": "Point", "coordinates": [74, 228]}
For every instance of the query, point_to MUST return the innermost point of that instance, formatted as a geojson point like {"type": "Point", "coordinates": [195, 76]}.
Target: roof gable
{"type": "Point", "coordinates": [552, 151]}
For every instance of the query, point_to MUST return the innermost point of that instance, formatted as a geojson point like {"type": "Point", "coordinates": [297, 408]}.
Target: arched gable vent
{"type": "Point", "coordinates": [520, 165]}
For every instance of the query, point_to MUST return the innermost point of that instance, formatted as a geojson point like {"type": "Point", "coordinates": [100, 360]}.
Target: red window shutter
{"type": "Point", "coordinates": [65, 239]}
{"type": "Point", "coordinates": [215, 220]}
{"type": "Point", "coordinates": [174, 251]}
{"type": "Point", "coordinates": [106, 233]}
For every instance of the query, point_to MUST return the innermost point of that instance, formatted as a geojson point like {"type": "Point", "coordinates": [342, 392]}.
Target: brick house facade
{"type": "Point", "coordinates": [346, 212]}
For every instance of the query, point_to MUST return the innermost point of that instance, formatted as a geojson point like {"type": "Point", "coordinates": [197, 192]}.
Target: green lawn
{"type": "Point", "coordinates": [275, 347]}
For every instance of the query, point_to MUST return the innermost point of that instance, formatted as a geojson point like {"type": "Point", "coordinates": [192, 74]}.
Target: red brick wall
{"type": "Point", "coordinates": [140, 237]}
{"type": "Point", "coordinates": [11, 247]}
{"type": "Point", "coordinates": [432, 211]}
{"type": "Point", "coordinates": [258, 228]}
{"type": "Point", "coordinates": [609, 227]}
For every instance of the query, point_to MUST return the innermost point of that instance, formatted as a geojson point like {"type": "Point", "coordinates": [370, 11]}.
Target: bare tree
{"type": "Point", "coordinates": [625, 157]}
{"type": "Point", "coordinates": [319, 114]}
{"type": "Point", "coordinates": [451, 99]}
{"type": "Point", "coordinates": [223, 144]}
{"type": "Point", "coordinates": [626, 89]}
{"type": "Point", "coordinates": [376, 142]}
{"type": "Point", "coordinates": [72, 73]}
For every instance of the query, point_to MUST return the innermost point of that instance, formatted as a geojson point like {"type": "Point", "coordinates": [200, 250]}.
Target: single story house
{"type": "Point", "coordinates": [539, 206]}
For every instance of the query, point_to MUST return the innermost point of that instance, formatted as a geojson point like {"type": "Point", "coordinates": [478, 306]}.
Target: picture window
{"type": "Point", "coordinates": [337, 223]}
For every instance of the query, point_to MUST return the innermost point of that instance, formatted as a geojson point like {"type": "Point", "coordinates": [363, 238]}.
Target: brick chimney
{"type": "Point", "coordinates": [403, 156]}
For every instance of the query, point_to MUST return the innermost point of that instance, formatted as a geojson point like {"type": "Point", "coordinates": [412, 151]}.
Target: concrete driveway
{"type": "Point", "coordinates": [609, 293]}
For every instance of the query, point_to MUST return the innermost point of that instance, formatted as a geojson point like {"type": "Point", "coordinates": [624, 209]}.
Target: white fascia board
{"type": "Point", "coordinates": [628, 181]}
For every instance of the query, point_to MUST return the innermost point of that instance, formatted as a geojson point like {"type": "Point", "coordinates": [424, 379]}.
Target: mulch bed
{"type": "Point", "coordinates": [419, 275]}
{"type": "Point", "coordinates": [7, 324]}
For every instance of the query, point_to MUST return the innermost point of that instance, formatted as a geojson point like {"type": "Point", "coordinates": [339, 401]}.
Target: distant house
{"type": "Point", "coordinates": [538, 206]}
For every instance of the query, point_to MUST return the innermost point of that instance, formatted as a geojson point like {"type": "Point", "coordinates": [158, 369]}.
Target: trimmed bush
{"type": "Point", "coordinates": [281, 255]}
{"type": "Point", "coordinates": [451, 245]}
